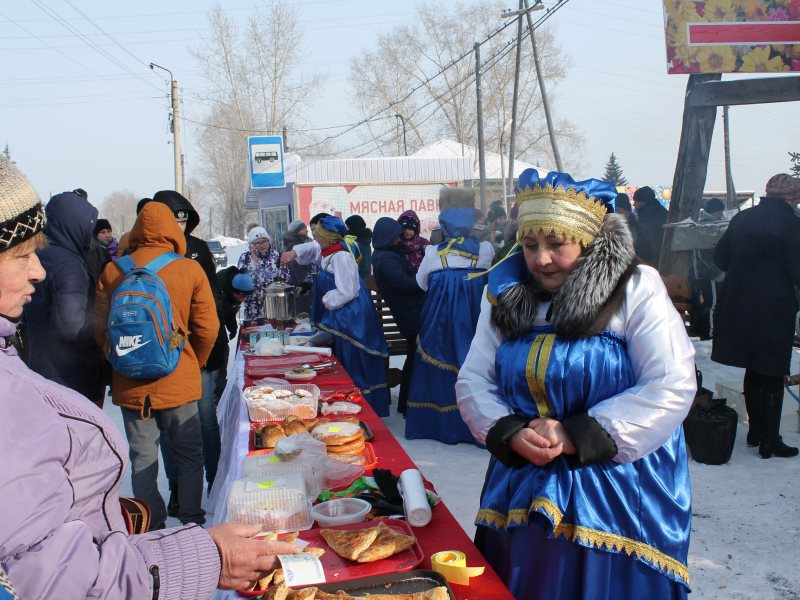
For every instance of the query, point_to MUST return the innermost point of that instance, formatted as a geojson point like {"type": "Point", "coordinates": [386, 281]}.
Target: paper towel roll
{"type": "Point", "coordinates": [415, 499]}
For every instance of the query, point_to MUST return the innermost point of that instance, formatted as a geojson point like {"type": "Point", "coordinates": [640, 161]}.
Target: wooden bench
{"type": "Point", "coordinates": [680, 292]}
{"type": "Point", "coordinates": [394, 339]}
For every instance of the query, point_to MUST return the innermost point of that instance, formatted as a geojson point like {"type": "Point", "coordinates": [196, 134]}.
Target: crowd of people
{"type": "Point", "coordinates": [543, 333]}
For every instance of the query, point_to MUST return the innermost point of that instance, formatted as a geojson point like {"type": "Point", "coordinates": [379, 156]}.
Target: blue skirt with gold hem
{"type": "Point", "coordinates": [619, 530]}
{"type": "Point", "coordinates": [358, 341]}
{"type": "Point", "coordinates": [447, 326]}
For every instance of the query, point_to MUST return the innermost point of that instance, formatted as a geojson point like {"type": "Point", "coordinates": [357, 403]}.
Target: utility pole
{"type": "Point", "coordinates": [175, 127]}
{"type": "Point", "coordinates": [285, 140]}
{"type": "Point", "coordinates": [540, 78]}
{"type": "Point", "coordinates": [730, 190]}
{"type": "Point", "coordinates": [481, 155]}
{"type": "Point", "coordinates": [513, 140]}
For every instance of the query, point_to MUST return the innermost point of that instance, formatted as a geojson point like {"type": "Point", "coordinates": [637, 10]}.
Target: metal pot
{"type": "Point", "coordinates": [279, 300]}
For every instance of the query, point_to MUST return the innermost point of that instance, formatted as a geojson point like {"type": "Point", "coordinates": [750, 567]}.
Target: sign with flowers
{"type": "Point", "coordinates": [732, 36]}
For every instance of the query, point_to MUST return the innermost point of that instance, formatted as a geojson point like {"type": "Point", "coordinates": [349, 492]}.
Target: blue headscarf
{"type": "Point", "coordinates": [456, 224]}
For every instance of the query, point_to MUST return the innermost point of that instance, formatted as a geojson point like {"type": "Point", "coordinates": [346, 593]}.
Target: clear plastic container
{"type": "Point", "coordinates": [340, 511]}
{"type": "Point", "coordinates": [267, 467]}
{"type": "Point", "coordinates": [278, 509]}
{"type": "Point", "coordinates": [271, 403]}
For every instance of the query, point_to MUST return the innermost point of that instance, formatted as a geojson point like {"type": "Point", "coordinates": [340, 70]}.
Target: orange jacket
{"type": "Point", "coordinates": [193, 312]}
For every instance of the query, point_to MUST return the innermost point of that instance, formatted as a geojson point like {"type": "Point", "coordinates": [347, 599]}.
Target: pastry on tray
{"type": "Point", "coordinates": [367, 545]}
{"type": "Point", "coordinates": [437, 593]}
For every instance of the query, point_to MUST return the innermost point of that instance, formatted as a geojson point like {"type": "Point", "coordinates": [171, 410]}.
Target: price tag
{"type": "Point", "coordinates": [274, 459]}
{"type": "Point", "coordinates": [301, 569]}
{"type": "Point", "coordinates": [252, 486]}
{"type": "Point", "coordinates": [334, 429]}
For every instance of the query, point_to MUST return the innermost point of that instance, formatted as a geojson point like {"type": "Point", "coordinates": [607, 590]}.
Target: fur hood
{"type": "Point", "coordinates": [589, 297]}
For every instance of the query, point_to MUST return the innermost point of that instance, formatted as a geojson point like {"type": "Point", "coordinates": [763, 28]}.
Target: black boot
{"type": "Point", "coordinates": [771, 441]}
{"type": "Point", "coordinates": [754, 404]}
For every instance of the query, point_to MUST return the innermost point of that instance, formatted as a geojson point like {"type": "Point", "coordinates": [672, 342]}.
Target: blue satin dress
{"type": "Point", "coordinates": [605, 531]}
{"type": "Point", "coordinates": [358, 340]}
{"type": "Point", "coordinates": [447, 326]}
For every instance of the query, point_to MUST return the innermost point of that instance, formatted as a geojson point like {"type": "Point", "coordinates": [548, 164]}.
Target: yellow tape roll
{"type": "Point", "coordinates": [453, 565]}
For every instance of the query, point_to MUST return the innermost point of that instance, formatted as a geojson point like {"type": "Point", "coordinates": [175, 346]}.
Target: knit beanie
{"type": "Point", "coordinates": [295, 226]}
{"type": "Point", "coordinates": [100, 225]}
{"type": "Point", "coordinates": [355, 224]}
{"type": "Point", "coordinates": [784, 186]}
{"type": "Point", "coordinates": [21, 212]}
{"type": "Point", "coordinates": [257, 233]}
{"type": "Point", "coordinates": [645, 195]}
{"type": "Point", "coordinates": [714, 205]}
{"type": "Point", "coordinates": [242, 284]}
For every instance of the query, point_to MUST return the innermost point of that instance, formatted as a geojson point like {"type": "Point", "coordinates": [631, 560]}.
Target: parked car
{"type": "Point", "coordinates": [218, 252]}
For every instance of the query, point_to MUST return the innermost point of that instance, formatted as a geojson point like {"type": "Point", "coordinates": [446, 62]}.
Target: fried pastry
{"type": "Point", "coordinates": [350, 543]}
{"type": "Point", "coordinates": [388, 543]}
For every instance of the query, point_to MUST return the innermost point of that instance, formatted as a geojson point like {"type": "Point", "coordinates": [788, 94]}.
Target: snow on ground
{"type": "Point", "coordinates": [745, 514]}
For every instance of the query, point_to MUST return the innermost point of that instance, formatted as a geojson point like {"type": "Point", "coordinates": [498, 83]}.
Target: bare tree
{"type": "Point", "coordinates": [445, 106]}
{"type": "Point", "coordinates": [119, 207]}
{"type": "Point", "coordinates": [257, 89]}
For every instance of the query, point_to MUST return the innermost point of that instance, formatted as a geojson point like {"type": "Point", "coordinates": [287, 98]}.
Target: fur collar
{"type": "Point", "coordinates": [590, 296]}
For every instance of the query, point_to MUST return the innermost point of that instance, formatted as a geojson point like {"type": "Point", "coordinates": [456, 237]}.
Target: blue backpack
{"type": "Point", "coordinates": [140, 332]}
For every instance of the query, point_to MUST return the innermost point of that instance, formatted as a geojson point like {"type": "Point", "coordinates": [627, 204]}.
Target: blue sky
{"type": "Point", "coordinates": [87, 112]}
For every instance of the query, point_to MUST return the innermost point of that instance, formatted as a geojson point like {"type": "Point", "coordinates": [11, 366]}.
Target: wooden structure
{"type": "Point", "coordinates": [704, 93]}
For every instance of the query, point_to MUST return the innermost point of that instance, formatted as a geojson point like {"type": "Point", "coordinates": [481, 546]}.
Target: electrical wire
{"type": "Point", "coordinates": [83, 37]}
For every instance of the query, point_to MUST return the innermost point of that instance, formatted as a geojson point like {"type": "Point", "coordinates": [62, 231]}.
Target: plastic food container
{"type": "Point", "coordinates": [340, 511]}
{"type": "Point", "coordinates": [268, 467]}
{"type": "Point", "coordinates": [277, 509]}
{"type": "Point", "coordinates": [276, 402]}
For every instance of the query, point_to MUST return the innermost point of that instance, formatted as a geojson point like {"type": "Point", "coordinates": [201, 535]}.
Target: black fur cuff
{"type": "Point", "coordinates": [592, 442]}
{"type": "Point", "coordinates": [498, 440]}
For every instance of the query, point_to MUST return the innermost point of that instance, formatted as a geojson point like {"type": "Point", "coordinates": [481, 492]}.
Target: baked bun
{"type": "Point", "coordinates": [337, 433]}
{"type": "Point", "coordinates": [353, 447]}
{"type": "Point", "coordinates": [296, 426]}
{"type": "Point", "coordinates": [302, 411]}
{"type": "Point", "coordinates": [271, 434]}
{"type": "Point", "coordinates": [350, 459]}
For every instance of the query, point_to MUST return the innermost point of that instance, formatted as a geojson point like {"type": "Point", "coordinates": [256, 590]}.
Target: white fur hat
{"type": "Point", "coordinates": [257, 233]}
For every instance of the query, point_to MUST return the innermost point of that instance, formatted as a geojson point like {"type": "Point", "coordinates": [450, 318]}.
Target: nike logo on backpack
{"type": "Point", "coordinates": [132, 342]}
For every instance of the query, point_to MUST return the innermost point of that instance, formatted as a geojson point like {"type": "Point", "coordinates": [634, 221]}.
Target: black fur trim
{"type": "Point", "coordinates": [499, 438]}
{"type": "Point", "coordinates": [592, 442]}
{"type": "Point", "coordinates": [591, 294]}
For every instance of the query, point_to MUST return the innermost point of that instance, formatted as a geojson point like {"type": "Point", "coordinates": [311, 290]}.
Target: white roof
{"type": "Point", "coordinates": [444, 148]}
{"type": "Point", "coordinates": [393, 169]}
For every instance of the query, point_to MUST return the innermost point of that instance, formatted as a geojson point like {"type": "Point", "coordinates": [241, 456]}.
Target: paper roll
{"type": "Point", "coordinates": [415, 498]}
{"type": "Point", "coordinates": [308, 350]}
{"type": "Point", "coordinates": [453, 565]}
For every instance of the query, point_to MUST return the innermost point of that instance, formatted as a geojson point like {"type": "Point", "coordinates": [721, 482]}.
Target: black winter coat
{"type": "Point", "coordinates": [61, 343]}
{"type": "Point", "coordinates": [650, 221]}
{"type": "Point", "coordinates": [395, 278]}
{"type": "Point", "coordinates": [754, 318]}
{"type": "Point", "coordinates": [227, 307]}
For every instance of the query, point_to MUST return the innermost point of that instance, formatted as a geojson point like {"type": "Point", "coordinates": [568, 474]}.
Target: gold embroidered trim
{"type": "Point", "coordinates": [369, 390]}
{"type": "Point", "coordinates": [432, 361]}
{"type": "Point", "coordinates": [350, 340]}
{"type": "Point", "coordinates": [535, 370]}
{"type": "Point", "coordinates": [560, 211]}
{"type": "Point", "coordinates": [439, 409]}
{"type": "Point", "coordinates": [586, 536]}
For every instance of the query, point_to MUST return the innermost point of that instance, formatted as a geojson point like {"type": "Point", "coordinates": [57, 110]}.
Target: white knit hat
{"type": "Point", "coordinates": [21, 212]}
{"type": "Point", "coordinates": [257, 233]}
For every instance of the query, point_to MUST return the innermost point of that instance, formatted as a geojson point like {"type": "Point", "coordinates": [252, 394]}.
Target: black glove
{"type": "Point", "coordinates": [387, 482]}
{"type": "Point", "coordinates": [305, 287]}
{"type": "Point", "coordinates": [380, 506]}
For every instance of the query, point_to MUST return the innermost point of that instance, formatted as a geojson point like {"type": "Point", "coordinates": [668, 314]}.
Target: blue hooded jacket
{"type": "Point", "coordinates": [395, 278]}
{"type": "Point", "coordinates": [61, 343]}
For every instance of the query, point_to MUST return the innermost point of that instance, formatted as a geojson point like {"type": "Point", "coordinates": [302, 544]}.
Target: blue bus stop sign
{"type": "Point", "coordinates": [266, 162]}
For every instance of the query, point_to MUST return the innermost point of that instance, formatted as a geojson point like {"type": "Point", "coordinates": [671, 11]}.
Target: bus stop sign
{"type": "Point", "coordinates": [266, 162]}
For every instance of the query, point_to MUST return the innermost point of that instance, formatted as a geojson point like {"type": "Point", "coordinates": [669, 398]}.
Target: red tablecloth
{"type": "Point", "coordinates": [443, 532]}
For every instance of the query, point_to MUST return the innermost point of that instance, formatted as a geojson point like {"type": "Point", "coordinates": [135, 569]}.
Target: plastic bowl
{"type": "Point", "coordinates": [340, 511]}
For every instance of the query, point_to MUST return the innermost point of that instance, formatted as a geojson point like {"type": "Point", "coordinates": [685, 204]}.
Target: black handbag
{"type": "Point", "coordinates": [710, 430]}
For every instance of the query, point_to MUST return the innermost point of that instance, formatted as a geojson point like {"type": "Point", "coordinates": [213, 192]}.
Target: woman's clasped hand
{"type": "Point", "coordinates": [542, 441]}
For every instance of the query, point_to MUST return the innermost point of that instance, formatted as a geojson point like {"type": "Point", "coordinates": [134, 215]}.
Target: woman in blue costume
{"type": "Point", "coordinates": [342, 306]}
{"type": "Point", "coordinates": [578, 379]}
{"type": "Point", "coordinates": [447, 325]}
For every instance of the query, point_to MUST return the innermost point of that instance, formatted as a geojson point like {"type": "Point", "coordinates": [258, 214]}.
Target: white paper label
{"type": "Point", "coordinates": [301, 569]}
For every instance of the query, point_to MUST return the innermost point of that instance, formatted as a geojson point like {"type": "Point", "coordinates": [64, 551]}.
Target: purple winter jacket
{"type": "Point", "coordinates": [62, 534]}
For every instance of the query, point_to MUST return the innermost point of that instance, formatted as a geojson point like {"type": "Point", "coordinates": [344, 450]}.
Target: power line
{"type": "Point", "coordinates": [83, 37]}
